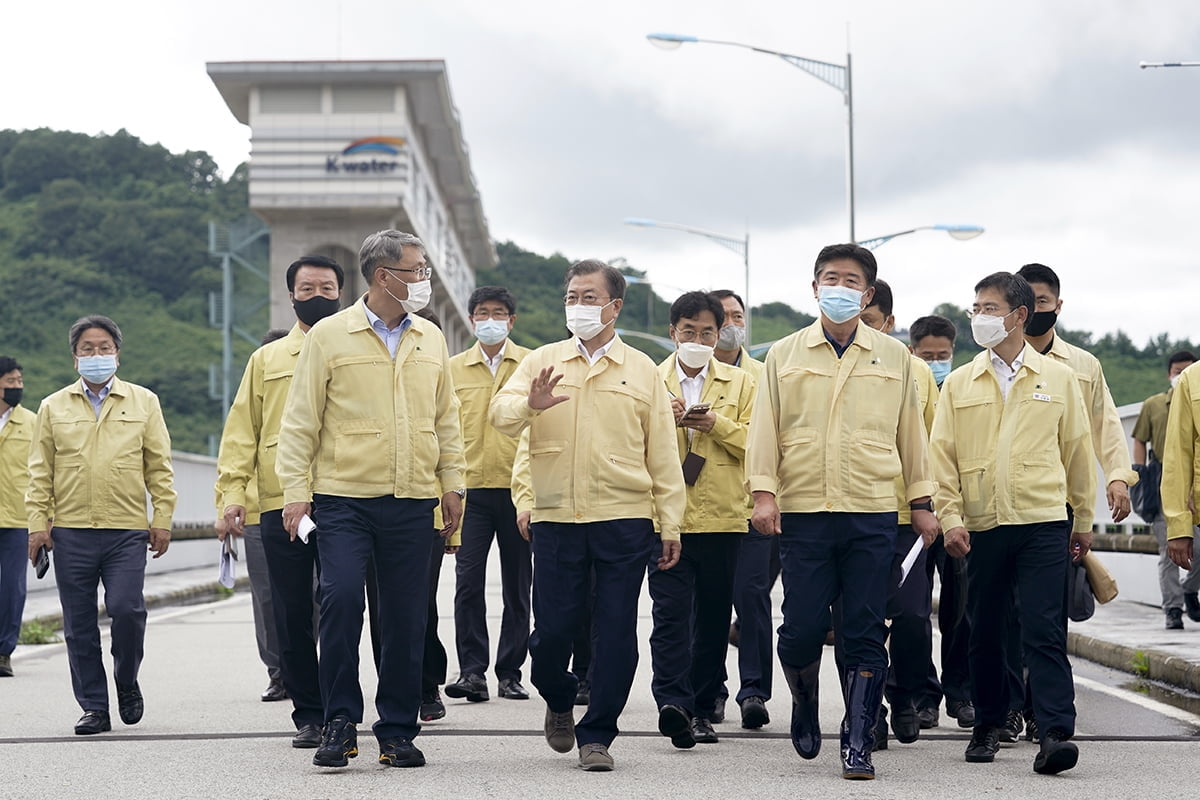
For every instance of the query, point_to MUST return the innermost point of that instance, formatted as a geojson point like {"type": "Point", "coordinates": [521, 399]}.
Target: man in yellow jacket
{"type": "Point", "coordinates": [1012, 449]}
{"type": "Point", "coordinates": [16, 431]}
{"type": "Point", "coordinates": [1181, 466]}
{"type": "Point", "coordinates": [99, 447]}
{"type": "Point", "coordinates": [246, 458]}
{"type": "Point", "coordinates": [603, 464]}
{"type": "Point", "coordinates": [370, 437]}
{"type": "Point", "coordinates": [478, 374]}
{"type": "Point", "coordinates": [835, 422]}
{"type": "Point", "coordinates": [693, 600]}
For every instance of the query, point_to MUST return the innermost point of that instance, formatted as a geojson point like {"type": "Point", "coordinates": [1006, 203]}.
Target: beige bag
{"type": "Point", "coordinates": [1103, 584]}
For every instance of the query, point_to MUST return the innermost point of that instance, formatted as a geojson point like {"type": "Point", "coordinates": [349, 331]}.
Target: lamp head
{"type": "Point", "coordinates": [669, 41]}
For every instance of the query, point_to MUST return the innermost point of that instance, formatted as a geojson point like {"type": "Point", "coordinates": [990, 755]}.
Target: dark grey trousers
{"type": "Point", "coordinates": [265, 632]}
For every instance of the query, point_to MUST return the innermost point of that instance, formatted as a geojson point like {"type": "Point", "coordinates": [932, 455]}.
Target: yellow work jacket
{"type": "Point", "coordinates": [251, 435]}
{"type": "Point", "coordinates": [1109, 442]}
{"type": "Point", "coordinates": [363, 424]}
{"type": "Point", "coordinates": [607, 453]}
{"type": "Point", "coordinates": [1181, 455]}
{"type": "Point", "coordinates": [1013, 462]}
{"type": "Point", "coordinates": [832, 434]}
{"type": "Point", "coordinates": [927, 396]}
{"type": "Point", "coordinates": [95, 473]}
{"type": "Point", "coordinates": [489, 452]}
{"type": "Point", "coordinates": [15, 439]}
{"type": "Point", "coordinates": [718, 502]}
{"type": "Point", "coordinates": [751, 365]}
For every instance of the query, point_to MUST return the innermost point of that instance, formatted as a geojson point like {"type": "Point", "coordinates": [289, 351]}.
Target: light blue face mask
{"type": "Point", "coordinates": [97, 369]}
{"type": "Point", "coordinates": [940, 369]}
{"type": "Point", "coordinates": [839, 303]}
{"type": "Point", "coordinates": [491, 331]}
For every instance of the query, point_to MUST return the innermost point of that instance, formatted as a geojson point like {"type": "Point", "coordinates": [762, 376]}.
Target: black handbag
{"type": "Point", "coordinates": [1081, 603]}
{"type": "Point", "coordinates": [1144, 495]}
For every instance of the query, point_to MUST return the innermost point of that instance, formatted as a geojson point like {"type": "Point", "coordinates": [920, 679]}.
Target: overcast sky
{"type": "Point", "coordinates": [1029, 118]}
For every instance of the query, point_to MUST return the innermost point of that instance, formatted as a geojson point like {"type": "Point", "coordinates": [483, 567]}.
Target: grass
{"type": "Point", "coordinates": [1140, 664]}
{"type": "Point", "coordinates": [35, 632]}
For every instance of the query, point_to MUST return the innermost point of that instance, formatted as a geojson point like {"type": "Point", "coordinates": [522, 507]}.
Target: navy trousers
{"type": "Point", "coordinates": [955, 628]}
{"type": "Point", "coordinates": [828, 554]}
{"type": "Point", "coordinates": [490, 513]}
{"type": "Point", "coordinates": [394, 532]}
{"type": "Point", "coordinates": [433, 662]}
{"type": "Point", "coordinates": [290, 566]}
{"type": "Point", "coordinates": [564, 555]}
{"type": "Point", "coordinates": [14, 567]}
{"type": "Point", "coordinates": [693, 602]}
{"type": "Point", "coordinates": [1033, 558]}
{"type": "Point", "coordinates": [84, 558]}
{"type": "Point", "coordinates": [910, 640]}
{"type": "Point", "coordinates": [757, 570]}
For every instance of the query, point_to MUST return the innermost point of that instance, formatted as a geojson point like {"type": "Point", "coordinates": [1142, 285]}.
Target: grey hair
{"type": "Point", "coordinates": [384, 248]}
{"type": "Point", "coordinates": [94, 321]}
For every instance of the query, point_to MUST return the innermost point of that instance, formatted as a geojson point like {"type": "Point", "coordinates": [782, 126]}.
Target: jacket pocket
{"type": "Point", "coordinates": [801, 464]}
{"type": "Point", "coordinates": [356, 445]}
{"type": "Point", "coordinates": [874, 465]}
{"type": "Point", "coordinates": [549, 472]}
{"type": "Point", "coordinates": [973, 484]}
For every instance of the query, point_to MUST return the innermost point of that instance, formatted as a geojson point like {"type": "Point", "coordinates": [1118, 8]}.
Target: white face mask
{"type": "Point", "coordinates": [989, 331]}
{"type": "Point", "coordinates": [693, 355]}
{"type": "Point", "coordinates": [732, 337]}
{"type": "Point", "coordinates": [1175, 380]}
{"type": "Point", "coordinates": [584, 321]}
{"type": "Point", "coordinates": [418, 296]}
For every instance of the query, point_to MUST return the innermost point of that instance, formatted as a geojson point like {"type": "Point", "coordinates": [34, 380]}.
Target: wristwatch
{"type": "Point", "coordinates": [925, 506]}
{"type": "Point", "coordinates": [461, 492]}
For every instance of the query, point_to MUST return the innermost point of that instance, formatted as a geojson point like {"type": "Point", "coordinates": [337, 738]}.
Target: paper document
{"type": "Point", "coordinates": [227, 568]}
{"type": "Point", "coordinates": [306, 527]}
{"type": "Point", "coordinates": [907, 564]}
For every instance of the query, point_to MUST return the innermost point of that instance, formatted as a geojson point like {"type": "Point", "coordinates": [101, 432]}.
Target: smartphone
{"type": "Point", "coordinates": [42, 562]}
{"type": "Point", "coordinates": [697, 409]}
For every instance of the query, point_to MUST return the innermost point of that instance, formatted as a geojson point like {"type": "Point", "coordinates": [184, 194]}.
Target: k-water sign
{"type": "Point", "coordinates": [375, 154]}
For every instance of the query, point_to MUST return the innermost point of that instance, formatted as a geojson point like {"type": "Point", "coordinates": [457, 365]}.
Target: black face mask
{"type": "Point", "coordinates": [13, 395]}
{"type": "Point", "coordinates": [1041, 322]}
{"type": "Point", "coordinates": [314, 309]}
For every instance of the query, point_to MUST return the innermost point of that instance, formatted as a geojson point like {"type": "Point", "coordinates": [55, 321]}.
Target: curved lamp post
{"type": "Point", "coordinates": [960, 232]}
{"type": "Point", "coordinates": [836, 75]}
{"type": "Point", "coordinates": [1148, 64]}
{"type": "Point", "coordinates": [741, 246]}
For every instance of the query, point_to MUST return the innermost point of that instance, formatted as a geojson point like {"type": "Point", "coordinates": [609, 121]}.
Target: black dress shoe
{"type": "Point", "coordinates": [469, 685]}
{"type": "Point", "coordinates": [754, 713]}
{"type": "Point", "coordinates": [307, 737]}
{"type": "Point", "coordinates": [583, 695]}
{"type": "Point", "coordinates": [432, 706]}
{"type": "Point", "coordinates": [984, 744]}
{"type": "Point", "coordinates": [339, 743]}
{"type": "Point", "coordinates": [93, 722]}
{"type": "Point", "coordinates": [400, 753]}
{"type": "Point", "coordinates": [676, 724]}
{"type": "Point", "coordinates": [6, 666]}
{"type": "Point", "coordinates": [1191, 605]}
{"type": "Point", "coordinates": [1057, 754]}
{"type": "Point", "coordinates": [906, 724]}
{"type": "Point", "coordinates": [1174, 619]}
{"type": "Point", "coordinates": [1013, 725]}
{"type": "Point", "coordinates": [129, 704]}
{"type": "Point", "coordinates": [963, 711]}
{"type": "Point", "coordinates": [1031, 730]}
{"type": "Point", "coordinates": [274, 692]}
{"type": "Point", "coordinates": [702, 731]}
{"type": "Point", "coordinates": [928, 717]}
{"type": "Point", "coordinates": [718, 712]}
{"type": "Point", "coordinates": [512, 689]}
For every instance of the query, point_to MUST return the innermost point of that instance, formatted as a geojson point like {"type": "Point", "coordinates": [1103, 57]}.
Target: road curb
{"type": "Point", "coordinates": [1143, 663]}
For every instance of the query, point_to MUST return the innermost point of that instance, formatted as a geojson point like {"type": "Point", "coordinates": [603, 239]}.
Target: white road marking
{"type": "Point", "coordinates": [1148, 703]}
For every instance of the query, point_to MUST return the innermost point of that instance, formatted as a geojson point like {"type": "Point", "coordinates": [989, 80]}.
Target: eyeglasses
{"type": "Point", "coordinates": [587, 300]}
{"type": "Point", "coordinates": [706, 337]}
{"type": "Point", "coordinates": [89, 350]}
{"type": "Point", "coordinates": [421, 273]}
{"type": "Point", "coordinates": [990, 309]}
{"type": "Point", "coordinates": [499, 314]}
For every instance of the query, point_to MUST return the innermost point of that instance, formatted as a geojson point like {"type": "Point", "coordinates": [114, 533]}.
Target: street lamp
{"type": "Point", "coordinates": [740, 246]}
{"type": "Point", "coordinates": [1147, 64]}
{"type": "Point", "coordinates": [836, 75]}
{"type": "Point", "coordinates": [960, 232]}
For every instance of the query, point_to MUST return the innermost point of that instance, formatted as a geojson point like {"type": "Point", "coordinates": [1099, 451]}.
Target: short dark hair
{"type": "Point", "coordinates": [8, 364]}
{"type": "Point", "coordinates": [882, 298]}
{"type": "Point", "coordinates": [721, 294]}
{"type": "Point", "coordinates": [690, 305]}
{"type": "Point", "coordinates": [94, 321]}
{"type": "Point", "coordinates": [314, 261]}
{"type": "Point", "coordinates": [1016, 290]}
{"type": "Point", "coordinates": [612, 276]}
{"type": "Point", "coordinates": [860, 255]}
{"type": "Point", "coordinates": [431, 316]}
{"type": "Point", "coordinates": [933, 325]}
{"type": "Point", "coordinates": [1040, 273]}
{"type": "Point", "coordinates": [498, 293]}
{"type": "Point", "coordinates": [273, 335]}
{"type": "Point", "coordinates": [1176, 358]}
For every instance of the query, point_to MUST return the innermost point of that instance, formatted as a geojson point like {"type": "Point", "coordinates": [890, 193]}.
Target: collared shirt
{"type": "Point", "coordinates": [4, 417]}
{"type": "Point", "coordinates": [691, 388]}
{"type": "Point", "coordinates": [592, 358]}
{"type": "Point", "coordinates": [389, 336]}
{"type": "Point", "coordinates": [1004, 373]}
{"type": "Point", "coordinates": [96, 399]}
{"type": "Point", "coordinates": [494, 363]}
{"type": "Point", "coordinates": [1151, 425]}
{"type": "Point", "coordinates": [840, 349]}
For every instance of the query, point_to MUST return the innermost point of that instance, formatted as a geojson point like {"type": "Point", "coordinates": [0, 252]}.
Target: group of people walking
{"type": "Point", "coordinates": [358, 452]}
